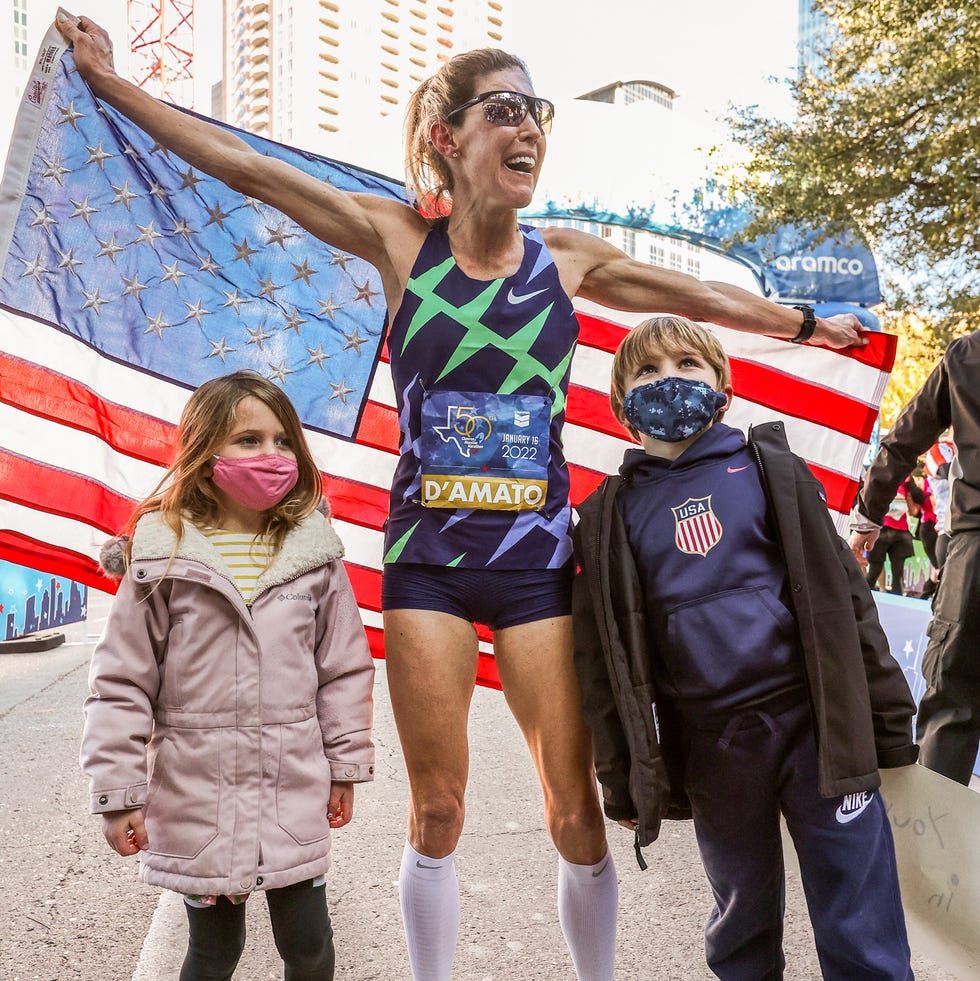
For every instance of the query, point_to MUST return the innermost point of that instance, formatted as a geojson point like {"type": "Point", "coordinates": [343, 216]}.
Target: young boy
{"type": "Point", "coordinates": [714, 588]}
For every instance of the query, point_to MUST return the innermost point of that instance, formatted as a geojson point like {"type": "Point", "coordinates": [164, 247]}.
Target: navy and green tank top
{"type": "Point", "coordinates": [477, 364]}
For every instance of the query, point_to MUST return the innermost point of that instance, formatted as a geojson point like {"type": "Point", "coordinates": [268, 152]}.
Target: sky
{"type": "Point", "coordinates": [709, 51]}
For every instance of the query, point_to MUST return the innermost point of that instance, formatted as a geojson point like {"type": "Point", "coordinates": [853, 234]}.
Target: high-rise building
{"type": "Point", "coordinates": [813, 31]}
{"type": "Point", "coordinates": [312, 73]}
{"type": "Point", "coordinates": [16, 51]}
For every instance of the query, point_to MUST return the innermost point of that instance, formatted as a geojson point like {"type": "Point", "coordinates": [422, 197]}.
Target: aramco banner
{"type": "Point", "coordinates": [798, 266]}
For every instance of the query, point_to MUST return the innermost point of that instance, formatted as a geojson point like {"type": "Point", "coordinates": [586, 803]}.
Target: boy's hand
{"type": "Point", "coordinates": [341, 807]}
{"type": "Point", "coordinates": [125, 831]}
{"type": "Point", "coordinates": [628, 823]}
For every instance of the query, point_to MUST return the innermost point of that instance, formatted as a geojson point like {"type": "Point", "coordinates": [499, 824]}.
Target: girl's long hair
{"type": "Point", "coordinates": [186, 493]}
{"type": "Point", "coordinates": [427, 176]}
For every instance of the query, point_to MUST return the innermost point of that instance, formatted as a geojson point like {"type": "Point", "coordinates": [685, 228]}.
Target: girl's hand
{"type": "Point", "coordinates": [628, 823]}
{"type": "Point", "coordinates": [125, 831]}
{"type": "Point", "coordinates": [92, 47]}
{"type": "Point", "coordinates": [341, 807]}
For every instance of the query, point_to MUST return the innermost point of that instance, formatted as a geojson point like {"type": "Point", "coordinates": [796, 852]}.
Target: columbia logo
{"type": "Point", "coordinates": [852, 806]}
{"type": "Point", "coordinates": [295, 596]}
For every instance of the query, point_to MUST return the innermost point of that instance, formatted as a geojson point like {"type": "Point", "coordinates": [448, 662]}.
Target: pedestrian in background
{"type": "Point", "coordinates": [896, 542]}
{"type": "Point", "coordinates": [940, 469]}
{"type": "Point", "coordinates": [231, 693]}
{"type": "Point", "coordinates": [948, 720]}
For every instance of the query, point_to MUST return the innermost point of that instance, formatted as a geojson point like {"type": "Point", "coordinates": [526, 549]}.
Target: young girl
{"type": "Point", "coordinates": [231, 693]}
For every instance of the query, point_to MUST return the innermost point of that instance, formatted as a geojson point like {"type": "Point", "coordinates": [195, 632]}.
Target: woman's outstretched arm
{"type": "Point", "coordinates": [366, 225]}
{"type": "Point", "coordinates": [597, 270]}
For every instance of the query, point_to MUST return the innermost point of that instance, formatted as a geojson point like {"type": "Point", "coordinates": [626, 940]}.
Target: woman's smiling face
{"type": "Point", "coordinates": [499, 163]}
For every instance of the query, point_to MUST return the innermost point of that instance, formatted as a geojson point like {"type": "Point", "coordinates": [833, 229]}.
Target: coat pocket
{"type": "Point", "coordinates": [303, 783]}
{"type": "Point", "coordinates": [938, 632]}
{"type": "Point", "coordinates": [182, 798]}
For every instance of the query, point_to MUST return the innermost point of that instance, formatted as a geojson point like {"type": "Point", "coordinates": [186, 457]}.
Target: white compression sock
{"type": "Point", "coordinates": [429, 896]}
{"type": "Point", "coordinates": [588, 899]}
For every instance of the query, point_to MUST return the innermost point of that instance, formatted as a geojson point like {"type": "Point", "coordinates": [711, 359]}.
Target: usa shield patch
{"type": "Point", "coordinates": [696, 529]}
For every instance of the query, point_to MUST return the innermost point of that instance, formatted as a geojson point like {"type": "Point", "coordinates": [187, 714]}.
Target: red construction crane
{"type": "Point", "coordinates": [161, 42]}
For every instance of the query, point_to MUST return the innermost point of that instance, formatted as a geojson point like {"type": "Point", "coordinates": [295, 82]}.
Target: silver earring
{"type": "Point", "coordinates": [455, 154]}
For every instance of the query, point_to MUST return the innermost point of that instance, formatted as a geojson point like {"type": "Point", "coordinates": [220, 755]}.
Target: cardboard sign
{"type": "Point", "coordinates": [936, 826]}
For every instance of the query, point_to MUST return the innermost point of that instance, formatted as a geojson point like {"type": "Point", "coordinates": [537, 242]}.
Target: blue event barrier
{"type": "Point", "coordinates": [904, 621]}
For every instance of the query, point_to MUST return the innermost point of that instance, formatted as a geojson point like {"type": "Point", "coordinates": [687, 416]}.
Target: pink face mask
{"type": "Point", "coordinates": [256, 482]}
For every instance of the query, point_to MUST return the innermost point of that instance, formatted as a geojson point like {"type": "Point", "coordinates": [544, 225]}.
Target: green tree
{"type": "Point", "coordinates": [887, 140]}
{"type": "Point", "coordinates": [922, 339]}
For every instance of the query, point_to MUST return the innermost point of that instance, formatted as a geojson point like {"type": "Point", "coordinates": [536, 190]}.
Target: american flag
{"type": "Point", "coordinates": [127, 279]}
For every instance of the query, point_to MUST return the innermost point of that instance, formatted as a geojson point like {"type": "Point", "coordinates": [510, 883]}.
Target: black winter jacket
{"type": "Point", "coordinates": [860, 702]}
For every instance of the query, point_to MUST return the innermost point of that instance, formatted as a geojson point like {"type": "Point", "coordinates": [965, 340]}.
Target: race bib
{"type": "Point", "coordinates": [485, 451]}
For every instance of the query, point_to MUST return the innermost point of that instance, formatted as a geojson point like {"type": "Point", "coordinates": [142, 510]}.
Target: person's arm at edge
{"type": "Point", "coordinates": [917, 427]}
{"type": "Point", "coordinates": [598, 271]}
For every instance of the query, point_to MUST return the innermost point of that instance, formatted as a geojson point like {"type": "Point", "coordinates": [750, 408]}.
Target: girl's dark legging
{"type": "Point", "coordinates": [300, 925]}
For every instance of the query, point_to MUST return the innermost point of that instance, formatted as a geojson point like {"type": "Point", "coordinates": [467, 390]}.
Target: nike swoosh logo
{"type": "Point", "coordinates": [512, 297]}
{"type": "Point", "coordinates": [845, 817]}
{"type": "Point", "coordinates": [739, 469]}
{"type": "Point", "coordinates": [422, 865]}
{"type": "Point", "coordinates": [595, 875]}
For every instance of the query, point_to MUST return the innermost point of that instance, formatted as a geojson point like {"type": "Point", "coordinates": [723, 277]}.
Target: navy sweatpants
{"type": "Point", "coordinates": [739, 779]}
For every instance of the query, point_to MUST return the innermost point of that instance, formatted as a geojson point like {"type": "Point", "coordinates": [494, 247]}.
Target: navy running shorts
{"type": "Point", "coordinates": [496, 597]}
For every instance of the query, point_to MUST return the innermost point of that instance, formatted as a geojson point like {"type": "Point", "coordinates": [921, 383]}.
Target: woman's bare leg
{"type": "Point", "coordinates": [538, 677]}
{"type": "Point", "coordinates": [431, 663]}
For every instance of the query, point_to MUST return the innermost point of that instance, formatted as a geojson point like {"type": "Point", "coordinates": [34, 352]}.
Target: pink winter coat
{"type": "Point", "coordinates": [228, 722]}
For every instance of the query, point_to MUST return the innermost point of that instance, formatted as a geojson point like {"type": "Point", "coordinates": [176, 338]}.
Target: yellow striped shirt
{"type": "Point", "coordinates": [246, 556]}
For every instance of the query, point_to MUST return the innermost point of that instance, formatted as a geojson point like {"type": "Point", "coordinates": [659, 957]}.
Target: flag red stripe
{"type": "Point", "coordinates": [379, 427]}
{"type": "Point", "coordinates": [598, 333]}
{"type": "Point", "coordinates": [47, 394]}
{"type": "Point", "coordinates": [792, 395]}
{"type": "Point", "coordinates": [878, 353]}
{"type": "Point", "coordinates": [22, 550]}
{"type": "Point", "coordinates": [839, 488]}
{"type": "Point", "coordinates": [60, 492]}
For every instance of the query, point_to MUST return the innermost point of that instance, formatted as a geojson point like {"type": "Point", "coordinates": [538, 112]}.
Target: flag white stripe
{"type": "Point", "coordinates": [51, 528]}
{"type": "Point", "coordinates": [78, 452]}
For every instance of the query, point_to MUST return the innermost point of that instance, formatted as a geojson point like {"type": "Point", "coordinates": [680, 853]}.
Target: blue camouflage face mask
{"type": "Point", "coordinates": [672, 409]}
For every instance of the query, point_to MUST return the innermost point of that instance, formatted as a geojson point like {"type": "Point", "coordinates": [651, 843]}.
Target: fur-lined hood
{"type": "Point", "coordinates": [312, 543]}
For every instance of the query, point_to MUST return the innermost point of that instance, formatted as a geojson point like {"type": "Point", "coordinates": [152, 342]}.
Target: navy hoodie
{"type": "Point", "coordinates": [713, 574]}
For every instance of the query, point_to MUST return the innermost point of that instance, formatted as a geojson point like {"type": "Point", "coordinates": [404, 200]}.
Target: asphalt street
{"type": "Point", "coordinates": [72, 909]}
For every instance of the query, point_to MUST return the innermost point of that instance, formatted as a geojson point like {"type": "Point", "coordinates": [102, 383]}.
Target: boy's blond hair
{"type": "Point", "coordinates": [667, 335]}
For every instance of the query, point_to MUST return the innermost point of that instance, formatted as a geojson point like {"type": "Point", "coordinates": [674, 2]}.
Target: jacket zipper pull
{"type": "Point", "coordinates": [636, 847]}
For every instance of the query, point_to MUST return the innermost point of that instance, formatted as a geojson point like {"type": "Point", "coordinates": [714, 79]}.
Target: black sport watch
{"type": "Point", "coordinates": [809, 324]}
